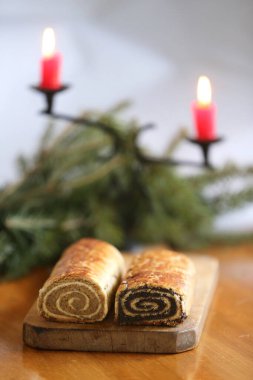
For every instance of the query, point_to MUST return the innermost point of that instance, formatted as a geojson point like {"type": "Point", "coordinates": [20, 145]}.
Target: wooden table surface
{"type": "Point", "coordinates": [225, 350]}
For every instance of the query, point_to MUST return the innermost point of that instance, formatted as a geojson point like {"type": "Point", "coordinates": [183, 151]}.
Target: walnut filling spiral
{"type": "Point", "coordinates": [82, 284]}
{"type": "Point", "coordinates": [72, 298]}
{"type": "Point", "coordinates": [157, 289]}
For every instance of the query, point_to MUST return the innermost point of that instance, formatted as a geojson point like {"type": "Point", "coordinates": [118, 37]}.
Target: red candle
{"type": "Point", "coordinates": [204, 111]}
{"type": "Point", "coordinates": [50, 62]}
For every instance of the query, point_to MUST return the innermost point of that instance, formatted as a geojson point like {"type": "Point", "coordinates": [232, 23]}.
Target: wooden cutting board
{"type": "Point", "coordinates": [108, 336]}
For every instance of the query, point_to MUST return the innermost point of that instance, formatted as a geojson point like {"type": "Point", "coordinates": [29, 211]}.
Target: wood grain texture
{"type": "Point", "coordinates": [108, 336]}
{"type": "Point", "coordinates": [224, 352]}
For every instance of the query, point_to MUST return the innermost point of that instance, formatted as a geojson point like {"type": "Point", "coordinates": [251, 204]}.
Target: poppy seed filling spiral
{"type": "Point", "coordinates": [149, 303]}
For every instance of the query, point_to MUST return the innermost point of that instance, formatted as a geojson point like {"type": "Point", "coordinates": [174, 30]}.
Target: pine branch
{"type": "Point", "coordinates": [227, 172]}
{"type": "Point", "coordinates": [227, 202]}
{"type": "Point", "coordinates": [76, 185]}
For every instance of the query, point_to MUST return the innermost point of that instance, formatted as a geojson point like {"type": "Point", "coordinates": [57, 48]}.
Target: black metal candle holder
{"type": "Point", "coordinates": [50, 96]}
{"type": "Point", "coordinates": [204, 145]}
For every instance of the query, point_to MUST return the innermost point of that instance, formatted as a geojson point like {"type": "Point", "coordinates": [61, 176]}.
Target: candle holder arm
{"type": "Point", "coordinates": [118, 139]}
{"type": "Point", "coordinates": [96, 124]}
{"type": "Point", "coordinates": [147, 159]}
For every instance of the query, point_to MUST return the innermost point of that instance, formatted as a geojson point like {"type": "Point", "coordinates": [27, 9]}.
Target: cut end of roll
{"type": "Point", "coordinates": [150, 306]}
{"type": "Point", "coordinates": [72, 300]}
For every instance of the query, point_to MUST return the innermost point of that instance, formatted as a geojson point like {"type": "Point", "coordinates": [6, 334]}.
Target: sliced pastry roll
{"type": "Point", "coordinates": [82, 285]}
{"type": "Point", "coordinates": [157, 289]}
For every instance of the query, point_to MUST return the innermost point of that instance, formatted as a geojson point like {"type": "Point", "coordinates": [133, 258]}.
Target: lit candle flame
{"type": "Point", "coordinates": [48, 43]}
{"type": "Point", "coordinates": [204, 91]}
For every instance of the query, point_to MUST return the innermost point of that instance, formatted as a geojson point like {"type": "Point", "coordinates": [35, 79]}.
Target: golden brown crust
{"type": "Point", "coordinates": [83, 282]}
{"type": "Point", "coordinates": [157, 289]}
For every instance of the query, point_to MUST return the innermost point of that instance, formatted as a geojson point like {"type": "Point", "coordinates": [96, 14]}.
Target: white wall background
{"type": "Point", "coordinates": [150, 51]}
